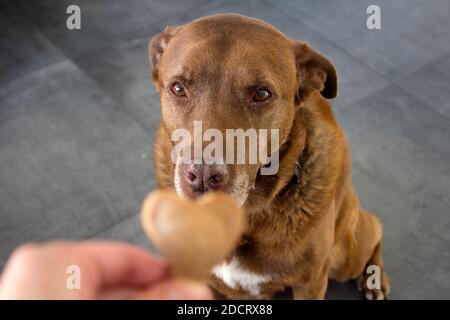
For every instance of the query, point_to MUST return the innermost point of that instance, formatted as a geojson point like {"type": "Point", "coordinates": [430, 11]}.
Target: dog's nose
{"type": "Point", "coordinates": [204, 177]}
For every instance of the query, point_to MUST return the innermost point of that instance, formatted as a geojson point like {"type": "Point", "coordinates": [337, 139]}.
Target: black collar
{"type": "Point", "coordinates": [298, 171]}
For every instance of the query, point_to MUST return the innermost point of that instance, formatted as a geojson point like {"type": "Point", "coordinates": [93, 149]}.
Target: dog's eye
{"type": "Point", "coordinates": [261, 95]}
{"type": "Point", "coordinates": [178, 89]}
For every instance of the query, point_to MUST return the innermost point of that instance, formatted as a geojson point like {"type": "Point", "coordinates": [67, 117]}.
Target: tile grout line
{"type": "Point", "coordinates": [389, 81]}
{"type": "Point", "coordinates": [112, 225]}
{"type": "Point", "coordinates": [332, 44]}
{"type": "Point", "coordinates": [101, 89]}
{"type": "Point", "coordinates": [342, 49]}
{"type": "Point", "coordinates": [121, 108]}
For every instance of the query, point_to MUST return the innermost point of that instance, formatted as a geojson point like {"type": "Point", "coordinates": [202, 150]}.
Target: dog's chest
{"type": "Point", "coordinates": [235, 276]}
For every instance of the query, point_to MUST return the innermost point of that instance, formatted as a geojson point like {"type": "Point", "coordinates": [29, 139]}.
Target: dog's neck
{"type": "Point", "coordinates": [291, 157]}
{"type": "Point", "coordinates": [313, 137]}
{"type": "Point", "coordinates": [292, 153]}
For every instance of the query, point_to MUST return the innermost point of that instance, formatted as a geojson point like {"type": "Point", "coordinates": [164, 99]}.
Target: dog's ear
{"type": "Point", "coordinates": [314, 73]}
{"type": "Point", "coordinates": [156, 47]}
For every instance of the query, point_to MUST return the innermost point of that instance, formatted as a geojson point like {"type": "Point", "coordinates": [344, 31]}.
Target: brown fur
{"type": "Point", "coordinates": [302, 233]}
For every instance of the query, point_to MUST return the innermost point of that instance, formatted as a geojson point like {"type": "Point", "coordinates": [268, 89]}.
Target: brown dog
{"type": "Point", "coordinates": [304, 224]}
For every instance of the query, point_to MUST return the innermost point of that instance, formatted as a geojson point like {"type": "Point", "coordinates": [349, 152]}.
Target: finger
{"type": "Point", "coordinates": [111, 264]}
{"type": "Point", "coordinates": [176, 289]}
{"type": "Point", "coordinates": [38, 271]}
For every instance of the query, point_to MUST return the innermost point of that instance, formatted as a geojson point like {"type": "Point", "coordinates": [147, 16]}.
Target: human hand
{"type": "Point", "coordinates": [108, 270]}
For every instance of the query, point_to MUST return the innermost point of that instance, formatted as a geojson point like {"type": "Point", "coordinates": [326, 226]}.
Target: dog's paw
{"type": "Point", "coordinates": [374, 294]}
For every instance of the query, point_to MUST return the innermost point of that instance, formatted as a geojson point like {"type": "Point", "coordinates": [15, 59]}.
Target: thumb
{"type": "Point", "coordinates": [176, 289]}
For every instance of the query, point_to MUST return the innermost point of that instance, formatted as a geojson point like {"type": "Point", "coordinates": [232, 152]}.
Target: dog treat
{"type": "Point", "coordinates": [193, 236]}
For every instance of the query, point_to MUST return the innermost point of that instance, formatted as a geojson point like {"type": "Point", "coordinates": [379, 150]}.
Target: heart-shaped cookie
{"type": "Point", "coordinates": [193, 236]}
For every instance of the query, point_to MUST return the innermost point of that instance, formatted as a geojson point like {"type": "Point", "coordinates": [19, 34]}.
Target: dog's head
{"type": "Point", "coordinates": [233, 75]}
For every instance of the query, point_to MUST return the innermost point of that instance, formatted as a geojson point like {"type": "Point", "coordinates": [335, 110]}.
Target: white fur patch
{"type": "Point", "coordinates": [176, 179]}
{"type": "Point", "coordinates": [233, 275]}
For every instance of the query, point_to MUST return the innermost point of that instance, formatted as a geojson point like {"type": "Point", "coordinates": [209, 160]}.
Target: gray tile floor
{"type": "Point", "coordinates": [78, 117]}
